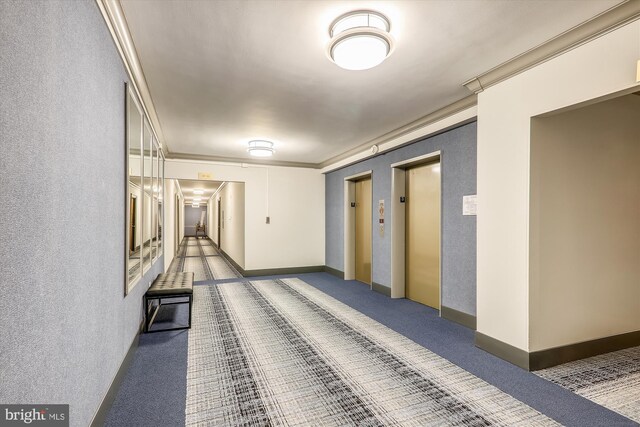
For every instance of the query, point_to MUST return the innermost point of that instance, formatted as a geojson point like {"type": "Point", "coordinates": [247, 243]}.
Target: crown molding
{"type": "Point", "coordinates": [607, 21]}
{"type": "Point", "coordinates": [597, 26]}
{"type": "Point", "coordinates": [117, 23]}
{"type": "Point", "coordinates": [441, 126]}
{"type": "Point", "coordinates": [406, 134]}
{"type": "Point", "coordinates": [239, 160]}
{"type": "Point", "coordinates": [442, 113]}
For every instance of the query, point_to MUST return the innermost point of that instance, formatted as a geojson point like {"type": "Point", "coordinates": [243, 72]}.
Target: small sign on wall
{"type": "Point", "coordinates": [470, 205]}
{"type": "Point", "coordinates": [205, 176]}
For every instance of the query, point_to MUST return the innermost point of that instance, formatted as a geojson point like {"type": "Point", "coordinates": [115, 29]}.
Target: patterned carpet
{"type": "Point", "coordinates": [280, 352]}
{"type": "Point", "coordinates": [209, 250]}
{"type": "Point", "coordinates": [134, 260]}
{"type": "Point", "coordinates": [193, 250]}
{"type": "Point", "coordinates": [134, 265]}
{"type": "Point", "coordinates": [611, 380]}
{"type": "Point", "coordinates": [202, 258]}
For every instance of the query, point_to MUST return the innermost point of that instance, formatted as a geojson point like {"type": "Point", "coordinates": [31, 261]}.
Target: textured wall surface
{"type": "Point", "coordinates": [458, 148]}
{"type": "Point", "coordinates": [66, 325]}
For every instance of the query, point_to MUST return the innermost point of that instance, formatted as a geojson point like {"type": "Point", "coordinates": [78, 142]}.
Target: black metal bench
{"type": "Point", "coordinates": [168, 287]}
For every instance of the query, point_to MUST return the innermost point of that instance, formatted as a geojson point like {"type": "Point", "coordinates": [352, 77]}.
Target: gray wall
{"type": "Point", "coordinates": [192, 217]}
{"type": "Point", "coordinates": [458, 147]}
{"type": "Point", "coordinates": [66, 325]}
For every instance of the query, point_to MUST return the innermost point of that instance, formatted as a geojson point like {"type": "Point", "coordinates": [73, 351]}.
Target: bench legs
{"type": "Point", "coordinates": [150, 317]}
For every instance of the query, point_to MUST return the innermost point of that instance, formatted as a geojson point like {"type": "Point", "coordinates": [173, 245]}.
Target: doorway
{"type": "Point", "coordinates": [363, 230]}
{"type": "Point", "coordinates": [422, 234]}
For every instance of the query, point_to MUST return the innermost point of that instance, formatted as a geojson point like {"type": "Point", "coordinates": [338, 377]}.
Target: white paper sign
{"type": "Point", "coordinates": [470, 205]}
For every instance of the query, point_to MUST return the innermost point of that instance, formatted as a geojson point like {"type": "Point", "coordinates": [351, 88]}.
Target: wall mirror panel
{"type": "Point", "coordinates": [148, 184]}
{"type": "Point", "coordinates": [160, 200]}
{"type": "Point", "coordinates": [134, 190]}
{"type": "Point", "coordinates": [144, 193]}
{"type": "Point", "coordinates": [154, 201]}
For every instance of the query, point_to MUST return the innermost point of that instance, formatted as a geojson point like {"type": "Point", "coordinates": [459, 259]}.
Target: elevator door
{"type": "Point", "coordinates": [363, 230]}
{"type": "Point", "coordinates": [422, 239]}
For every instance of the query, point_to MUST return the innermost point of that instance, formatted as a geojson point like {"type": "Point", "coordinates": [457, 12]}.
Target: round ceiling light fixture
{"type": "Point", "coordinates": [198, 192]}
{"type": "Point", "coordinates": [360, 40]}
{"type": "Point", "coordinates": [260, 148]}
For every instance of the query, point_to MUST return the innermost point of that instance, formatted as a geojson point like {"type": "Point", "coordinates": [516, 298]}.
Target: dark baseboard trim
{"type": "Point", "coordinates": [459, 317]}
{"type": "Point", "coordinates": [235, 264]}
{"type": "Point", "coordinates": [100, 416]}
{"type": "Point", "coordinates": [384, 290]}
{"type": "Point", "coordinates": [555, 356]}
{"type": "Point", "coordinates": [289, 270]}
{"type": "Point", "coordinates": [272, 271]}
{"type": "Point", "coordinates": [339, 274]}
{"type": "Point", "coordinates": [503, 350]}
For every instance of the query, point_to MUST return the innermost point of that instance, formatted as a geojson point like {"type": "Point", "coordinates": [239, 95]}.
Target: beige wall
{"type": "Point", "coordinates": [181, 219]}
{"type": "Point", "coordinates": [212, 220]}
{"type": "Point", "coordinates": [232, 209]}
{"type": "Point", "coordinates": [169, 206]}
{"type": "Point", "coordinates": [292, 197]}
{"type": "Point", "coordinates": [600, 67]}
{"type": "Point", "coordinates": [585, 224]}
{"type": "Point", "coordinates": [295, 236]}
{"type": "Point", "coordinates": [215, 213]}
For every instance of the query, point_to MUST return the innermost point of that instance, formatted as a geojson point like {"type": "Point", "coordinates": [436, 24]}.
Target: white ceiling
{"type": "Point", "coordinates": [208, 187]}
{"type": "Point", "coordinates": [223, 72]}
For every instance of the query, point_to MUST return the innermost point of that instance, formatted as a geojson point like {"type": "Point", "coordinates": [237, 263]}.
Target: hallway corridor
{"type": "Point", "coordinates": [200, 256]}
{"type": "Point", "coordinates": [333, 213]}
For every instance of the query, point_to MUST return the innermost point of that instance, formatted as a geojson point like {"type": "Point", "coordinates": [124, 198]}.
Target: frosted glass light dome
{"type": "Point", "coordinates": [260, 148]}
{"type": "Point", "coordinates": [360, 52]}
{"type": "Point", "coordinates": [360, 40]}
